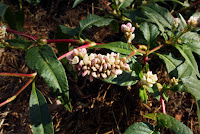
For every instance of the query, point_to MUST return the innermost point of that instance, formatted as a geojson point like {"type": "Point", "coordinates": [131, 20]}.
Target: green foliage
{"type": "Point", "coordinates": [164, 120]}
{"type": "Point", "coordinates": [34, 2]}
{"type": "Point", "coordinates": [76, 2]}
{"type": "Point", "coordinates": [141, 128]}
{"type": "Point", "coordinates": [3, 8]}
{"type": "Point", "coordinates": [46, 63]}
{"type": "Point", "coordinates": [125, 3]}
{"type": "Point", "coordinates": [39, 113]}
{"type": "Point", "coordinates": [143, 95]}
{"type": "Point", "coordinates": [95, 20]}
{"type": "Point", "coordinates": [20, 43]}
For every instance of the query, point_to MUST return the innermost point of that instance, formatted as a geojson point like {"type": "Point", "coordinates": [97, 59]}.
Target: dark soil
{"type": "Point", "coordinates": [98, 107]}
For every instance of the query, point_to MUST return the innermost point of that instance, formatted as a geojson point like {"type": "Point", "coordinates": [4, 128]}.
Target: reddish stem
{"type": "Point", "coordinates": [22, 34]}
{"type": "Point", "coordinates": [155, 49]}
{"type": "Point", "coordinates": [67, 41]}
{"type": "Point", "coordinates": [84, 46]}
{"type": "Point", "coordinates": [18, 74]}
{"type": "Point", "coordinates": [107, 5]}
{"type": "Point", "coordinates": [195, 3]}
{"type": "Point", "coordinates": [146, 60]}
{"type": "Point", "coordinates": [162, 103]}
{"type": "Point", "coordinates": [14, 96]}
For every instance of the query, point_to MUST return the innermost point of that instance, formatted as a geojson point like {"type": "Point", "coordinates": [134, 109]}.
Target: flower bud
{"type": "Point", "coordinates": [85, 59]}
{"type": "Point", "coordinates": [103, 75]}
{"type": "Point", "coordinates": [123, 59]}
{"type": "Point", "coordinates": [75, 52]}
{"type": "Point", "coordinates": [2, 31]}
{"type": "Point", "coordinates": [70, 57]}
{"type": "Point", "coordinates": [94, 74]}
{"type": "Point", "coordinates": [75, 60]}
{"type": "Point", "coordinates": [176, 22]}
{"type": "Point", "coordinates": [93, 69]}
{"type": "Point", "coordinates": [84, 73]}
{"type": "Point", "coordinates": [174, 81]}
{"type": "Point", "coordinates": [101, 68]}
{"type": "Point", "coordinates": [193, 21]}
{"type": "Point", "coordinates": [149, 79]}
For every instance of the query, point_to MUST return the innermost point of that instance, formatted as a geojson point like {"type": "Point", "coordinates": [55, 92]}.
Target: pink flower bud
{"type": "Point", "coordinates": [75, 52]}
{"type": "Point", "coordinates": [103, 75]}
{"type": "Point", "coordinates": [132, 29]}
{"type": "Point", "coordinates": [117, 62]}
{"type": "Point", "coordinates": [84, 73]}
{"type": "Point", "coordinates": [97, 66]}
{"type": "Point", "coordinates": [123, 59]}
{"type": "Point", "coordinates": [129, 25]}
{"type": "Point", "coordinates": [94, 61]}
{"type": "Point", "coordinates": [93, 69]}
{"type": "Point", "coordinates": [108, 72]}
{"type": "Point", "coordinates": [83, 51]}
{"type": "Point", "coordinates": [108, 65]}
{"type": "Point", "coordinates": [124, 28]}
{"type": "Point", "coordinates": [105, 67]}
{"type": "Point", "coordinates": [112, 66]}
{"type": "Point", "coordinates": [91, 56]}
{"type": "Point", "coordinates": [86, 59]}
{"type": "Point", "coordinates": [101, 68]}
{"type": "Point", "coordinates": [84, 68]}
{"type": "Point", "coordinates": [70, 57]}
{"type": "Point", "coordinates": [94, 74]}
{"type": "Point", "coordinates": [119, 71]}
{"type": "Point", "coordinates": [81, 63]}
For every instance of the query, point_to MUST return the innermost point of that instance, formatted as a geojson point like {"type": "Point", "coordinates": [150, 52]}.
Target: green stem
{"type": "Point", "coordinates": [18, 74]}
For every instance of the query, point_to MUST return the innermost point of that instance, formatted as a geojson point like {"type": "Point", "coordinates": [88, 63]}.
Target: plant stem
{"type": "Point", "coordinates": [67, 41]}
{"type": "Point", "coordinates": [162, 103]}
{"type": "Point", "coordinates": [84, 46]}
{"type": "Point", "coordinates": [155, 49]}
{"type": "Point", "coordinates": [14, 96]}
{"type": "Point", "coordinates": [107, 5]}
{"type": "Point", "coordinates": [22, 34]}
{"type": "Point", "coordinates": [18, 74]}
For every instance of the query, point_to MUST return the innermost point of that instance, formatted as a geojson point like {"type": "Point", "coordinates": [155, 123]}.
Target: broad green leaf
{"type": "Point", "coordinates": [125, 3]}
{"type": "Point", "coordinates": [95, 20]}
{"type": "Point", "coordinates": [143, 95]}
{"type": "Point", "coordinates": [164, 120]}
{"type": "Point", "coordinates": [141, 128]}
{"type": "Point", "coordinates": [154, 91]}
{"type": "Point", "coordinates": [170, 61]}
{"type": "Point", "coordinates": [119, 47]}
{"type": "Point", "coordinates": [150, 31]}
{"type": "Point", "coordinates": [66, 32]}
{"type": "Point", "coordinates": [192, 40]}
{"type": "Point", "coordinates": [46, 63]}
{"type": "Point", "coordinates": [160, 13]}
{"type": "Point", "coordinates": [39, 113]}
{"type": "Point", "coordinates": [76, 2]}
{"type": "Point", "coordinates": [15, 19]}
{"type": "Point", "coordinates": [3, 8]}
{"type": "Point", "coordinates": [136, 15]}
{"type": "Point", "coordinates": [20, 43]}
{"type": "Point", "coordinates": [125, 79]}
{"type": "Point", "coordinates": [189, 58]}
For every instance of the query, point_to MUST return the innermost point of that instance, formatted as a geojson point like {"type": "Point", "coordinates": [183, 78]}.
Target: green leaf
{"type": "Point", "coordinates": [49, 67]}
{"type": "Point", "coordinates": [34, 2]}
{"type": "Point", "coordinates": [189, 58]}
{"type": "Point", "coordinates": [125, 79]}
{"type": "Point", "coordinates": [125, 3]}
{"type": "Point", "coordinates": [76, 2]}
{"type": "Point", "coordinates": [192, 40]}
{"type": "Point", "coordinates": [164, 120]}
{"type": "Point", "coordinates": [150, 31]}
{"type": "Point", "coordinates": [15, 19]}
{"type": "Point", "coordinates": [161, 14]}
{"type": "Point", "coordinates": [119, 47]}
{"type": "Point", "coordinates": [1, 45]}
{"type": "Point", "coordinates": [39, 113]}
{"type": "Point", "coordinates": [95, 20]}
{"type": "Point", "coordinates": [154, 91]}
{"type": "Point", "coordinates": [141, 128]}
{"type": "Point", "coordinates": [3, 8]}
{"type": "Point", "coordinates": [182, 23]}
{"type": "Point", "coordinates": [20, 43]}
{"type": "Point", "coordinates": [143, 95]}
{"type": "Point", "coordinates": [170, 61]}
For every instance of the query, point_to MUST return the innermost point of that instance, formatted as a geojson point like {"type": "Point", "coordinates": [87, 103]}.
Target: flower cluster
{"type": "Point", "coordinates": [97, 65]}
{"type": "Point", "coordinates": [174, 81]}
{"type": "Point", "coordinates": [2, 31]}
{"type": "Point", "coordinates": [149, 79]}
{"type": "Point", "coordinates": [128, 31]}
{"type": "Point", "coordinates": [194, 21]}
{"type": "Point", "coordinates": [176, 22]}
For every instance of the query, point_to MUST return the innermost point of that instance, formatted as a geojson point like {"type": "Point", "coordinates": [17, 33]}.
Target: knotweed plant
{"type": "Point", "coordinates": [147, 27]}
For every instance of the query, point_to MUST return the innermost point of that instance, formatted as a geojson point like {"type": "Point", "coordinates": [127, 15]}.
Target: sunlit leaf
{"type": "Point", "coordinates": [141, 128]}
{"type": "Point", "coordinates": [39, 113]}
{"type": "Point", "coordinates": [43, 60]}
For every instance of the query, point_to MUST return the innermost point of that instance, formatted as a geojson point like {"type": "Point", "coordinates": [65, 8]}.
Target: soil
{"type": "Point", "coordinates": [98, 107]}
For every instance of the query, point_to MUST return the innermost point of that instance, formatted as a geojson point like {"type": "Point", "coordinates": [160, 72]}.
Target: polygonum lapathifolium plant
{"type": "Point", "coordinates": [149, 29]}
